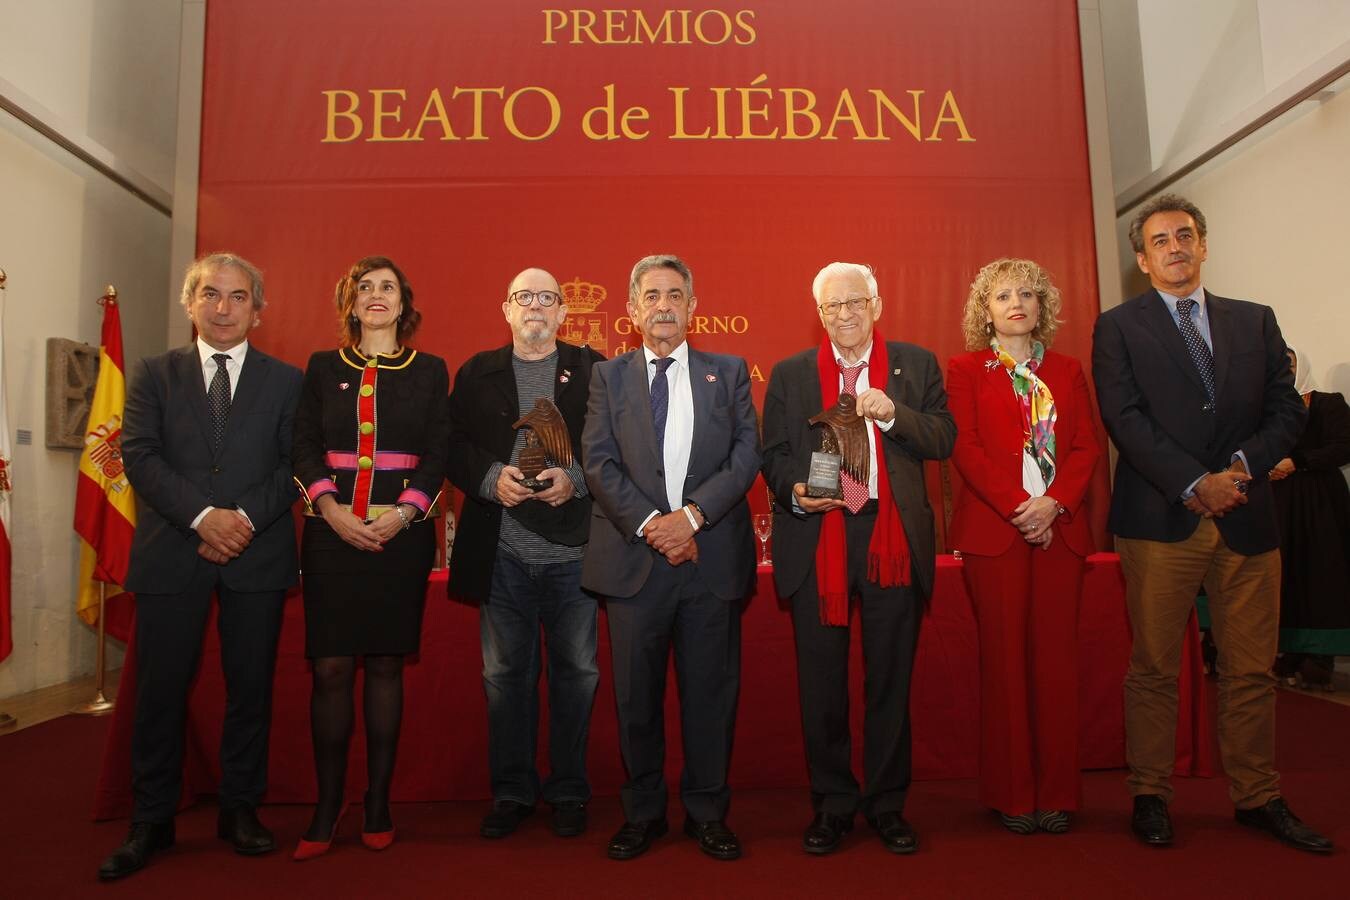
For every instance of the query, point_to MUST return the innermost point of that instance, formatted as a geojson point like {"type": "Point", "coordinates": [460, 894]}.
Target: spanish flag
{"type": "Point", "coordinates": [105, 508]}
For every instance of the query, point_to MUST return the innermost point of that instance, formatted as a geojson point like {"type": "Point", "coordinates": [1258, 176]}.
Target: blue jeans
{"type": "Point", "coordinates": [523, 598]}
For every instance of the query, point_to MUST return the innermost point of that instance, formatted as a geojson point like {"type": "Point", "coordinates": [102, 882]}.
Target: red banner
{"type": "Point", "coordinates": [758, 140]}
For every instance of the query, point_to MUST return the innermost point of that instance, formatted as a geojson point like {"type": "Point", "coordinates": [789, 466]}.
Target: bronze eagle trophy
{"type": "Point", "coordinates": [548, 440]}
{"type": "Point", "coordinates": [843, 447]}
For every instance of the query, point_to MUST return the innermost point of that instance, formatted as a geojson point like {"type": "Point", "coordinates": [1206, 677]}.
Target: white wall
{"type": "Point", "coordinates": [107, 69]}
{"type": "Point", "coordinates": [1279, 229]}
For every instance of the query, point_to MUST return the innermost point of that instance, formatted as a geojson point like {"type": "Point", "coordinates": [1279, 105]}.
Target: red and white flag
{"type": "Point", "coordinates": [6, 556]}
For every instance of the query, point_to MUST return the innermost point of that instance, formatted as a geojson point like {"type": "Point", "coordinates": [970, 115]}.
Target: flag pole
{"type": "Point", "coordinates": [100, 705]}
{"type": "Point", "coordinates": [6, 720]}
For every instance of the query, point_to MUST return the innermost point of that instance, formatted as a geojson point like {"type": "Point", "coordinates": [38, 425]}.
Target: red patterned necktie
{"type": "Point", "coordinates": [855, 491]}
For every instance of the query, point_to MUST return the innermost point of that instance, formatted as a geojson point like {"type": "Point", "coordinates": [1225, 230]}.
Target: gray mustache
{"type": "Point", "coordinates": [666, 318]}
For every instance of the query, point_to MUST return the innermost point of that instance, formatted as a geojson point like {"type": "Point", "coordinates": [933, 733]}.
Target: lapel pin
{"type": "Point", "coordinates": [711, 377]}
{"type": "Point", "coordinates": [563, 378]}
{"type": "Point", "coordinates": [344, 386]}
{"type": "Point", "coordinates": [895, 371]}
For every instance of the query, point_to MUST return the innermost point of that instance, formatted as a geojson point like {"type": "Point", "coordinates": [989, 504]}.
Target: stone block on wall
{"type": "Point", "coordinates": [72, 370]}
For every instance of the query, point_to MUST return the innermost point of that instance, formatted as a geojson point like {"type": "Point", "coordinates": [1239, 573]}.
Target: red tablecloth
{"type": "Point", "coordinates": [443, 751]}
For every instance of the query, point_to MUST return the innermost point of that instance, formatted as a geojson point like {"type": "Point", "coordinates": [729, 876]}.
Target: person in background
{"type": "Point", "coordinates": [371, 438]}
{"type": "Point", "coordinates": [1312, 504]}
{"type": "Point", "coordinates": [1026, 449]}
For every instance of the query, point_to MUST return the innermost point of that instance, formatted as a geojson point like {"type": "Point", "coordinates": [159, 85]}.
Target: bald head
{"type": "Point", "coordinates": [534, 326]}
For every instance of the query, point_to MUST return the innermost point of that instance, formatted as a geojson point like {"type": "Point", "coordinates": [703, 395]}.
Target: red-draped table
{"type": "Point", "coordinates": [443, 751]}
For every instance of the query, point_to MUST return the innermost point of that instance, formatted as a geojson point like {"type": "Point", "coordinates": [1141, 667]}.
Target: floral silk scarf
{"type": "Point", "coordinates": [1037, 404]}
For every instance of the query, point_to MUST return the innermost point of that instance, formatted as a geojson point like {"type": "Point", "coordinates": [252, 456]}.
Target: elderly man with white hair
{"type": "Point", "coordinates": [872, 550]}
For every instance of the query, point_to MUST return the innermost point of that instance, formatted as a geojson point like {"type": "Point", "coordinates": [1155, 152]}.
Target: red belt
{"type": "Point", "coordinates": [384, 460]}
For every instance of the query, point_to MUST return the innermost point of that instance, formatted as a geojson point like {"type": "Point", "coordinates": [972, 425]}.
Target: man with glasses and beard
{"type": "Point", "coordinates": [518, 555]}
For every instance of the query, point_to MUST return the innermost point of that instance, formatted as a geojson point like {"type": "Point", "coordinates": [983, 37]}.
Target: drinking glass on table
{"type": "Point", "coordinates": [764, 528]}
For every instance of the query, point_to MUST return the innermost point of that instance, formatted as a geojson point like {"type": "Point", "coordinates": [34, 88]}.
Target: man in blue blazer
{"type": "Point", "coordinates": [670, 448]}
{"type": "Point", "coordinates": [207, 447]}
{"type": "Point", "coordinates": [1196, 392]}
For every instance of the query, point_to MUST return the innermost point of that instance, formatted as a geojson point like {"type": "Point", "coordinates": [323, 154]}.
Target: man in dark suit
{"type": "Point", "coordinates": [518, 555]}
{"type": "Point", "coordinates": [1196, 392]}
{"type": "Point", "coordinates": [207, 446]}
{"type": "Point", "coordinates": [670, 449]}
{"type": "Point", "coordinates": [875, 544]}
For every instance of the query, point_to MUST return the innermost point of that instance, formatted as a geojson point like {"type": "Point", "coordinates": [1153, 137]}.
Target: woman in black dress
{"type": "Point", "coordinates": [1313, 506]}
{"type": "Point", "coordinates": [370, 443]}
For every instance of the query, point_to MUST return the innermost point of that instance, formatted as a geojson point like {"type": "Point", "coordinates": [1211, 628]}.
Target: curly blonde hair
{"type": "Point", "coordinates": [975, 320]}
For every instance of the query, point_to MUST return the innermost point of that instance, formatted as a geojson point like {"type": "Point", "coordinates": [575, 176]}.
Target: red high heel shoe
{"type": "Point", "coordinates": [376, 840]}
{"type": "Point", "coordinates": [310, 849]}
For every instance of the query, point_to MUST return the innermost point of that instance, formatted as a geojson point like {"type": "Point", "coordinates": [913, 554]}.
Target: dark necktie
{"type": "Point", "coordinates": [855, 492]}
{"type": "Point", "coordinates": [661, 401]}
{"type": "Point", "coordinates": [218, 399]}
{"type": "Point", "coordinates": [1195, 343]}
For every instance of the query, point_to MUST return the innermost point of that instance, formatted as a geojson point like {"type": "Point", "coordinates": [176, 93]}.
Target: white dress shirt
{"type": "Point", "coordinates": [233, 366]}
{"type": "Point", "coordinates": [679, 439]}
{"type": "Point", "coordinates": [863, 384]}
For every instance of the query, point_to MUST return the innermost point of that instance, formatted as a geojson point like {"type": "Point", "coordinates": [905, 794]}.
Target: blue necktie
{"type": "Point", "coordinates": [661, 401]}
{"type": "Point", "coordinates": [218, 399]}
{"type": "Point", "coordinates": [1195, 343]}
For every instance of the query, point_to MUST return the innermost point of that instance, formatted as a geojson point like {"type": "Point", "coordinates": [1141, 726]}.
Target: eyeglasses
{"type": "Point", "coordinates": [830, 308]}
{"type": "Point", "coordinates": [545, 298]}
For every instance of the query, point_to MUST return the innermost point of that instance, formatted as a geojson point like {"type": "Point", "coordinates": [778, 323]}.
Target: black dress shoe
{"type": "Point", "coordinates": [569, 818]}
{"type": "Point", "coordinates": [1277, 818]}
{"type": "Point", "coordinates": [1150, 822]}
{"type": "Point", "coordinates": [240, 826]}
{"type": "Point", "coordinates": [634, 838]}
{"type": "Point", "coordinates": [825, 832]}
{"type": "Point", "coordinates": [143, 839]}
{"type": "Point", "coordinates": [896, 834]}
{"type": "Point", "coordinates": [504, 818]}
{"type": "Point", "coordinates": [714, 838]}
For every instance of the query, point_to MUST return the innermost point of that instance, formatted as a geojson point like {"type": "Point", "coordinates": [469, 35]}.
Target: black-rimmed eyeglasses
{"type": "Point", "coordinates": [545, 298]}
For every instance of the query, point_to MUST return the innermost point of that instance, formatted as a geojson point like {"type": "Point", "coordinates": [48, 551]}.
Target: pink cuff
{"type": "Point", "coordinates": [416, 498]}
{"type": "Point", "coordinates": [319, 488]}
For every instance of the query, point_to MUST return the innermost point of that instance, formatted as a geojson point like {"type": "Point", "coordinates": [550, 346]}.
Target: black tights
{"type": "Point", "coordinates": [330, 721]}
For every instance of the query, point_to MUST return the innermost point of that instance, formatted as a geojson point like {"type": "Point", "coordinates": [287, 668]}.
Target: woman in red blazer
{"type": "Point", "coordinates": [1026, 448]}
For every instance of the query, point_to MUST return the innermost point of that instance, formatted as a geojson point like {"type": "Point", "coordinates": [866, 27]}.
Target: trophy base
{"type": "Point", "coordinates": [536, 484]}
{"type": "Point", "coordinates": [822, 480]}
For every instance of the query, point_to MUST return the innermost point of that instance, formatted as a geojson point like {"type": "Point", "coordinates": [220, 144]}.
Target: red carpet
{"type": "Point", "coordinates": [51, 848]}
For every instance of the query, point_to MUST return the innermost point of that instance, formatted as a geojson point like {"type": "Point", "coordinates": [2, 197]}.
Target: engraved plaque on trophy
{"type": "Point", "coordinates": [547, 444]}
{"type": "Point", "coordinates": [843, 448]}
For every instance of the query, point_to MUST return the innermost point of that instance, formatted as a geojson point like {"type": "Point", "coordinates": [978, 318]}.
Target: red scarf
{"type": "Point", "coordinates": [888, 551]}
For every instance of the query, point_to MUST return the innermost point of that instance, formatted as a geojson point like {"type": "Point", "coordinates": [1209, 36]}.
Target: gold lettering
{"type": "Point", "coordinates": [954, 118]}
{"type": "Point", "coordinates": [331, 137]}
{"type": "Point", "coordinates": [434, 111]}
{"type": "Point", "coordinates": [755, 373]}
{"type": "Point", "coordinates": [747, 35]}
{"type": "Point", "coordinates": [478, 93]}
{"type": "Point", "coordinates": [606, 112]}
{"type": "Point", "coordinates": [680, 134]}
{"type": "Point", "coordinates": [379, 114]}
{"type": "Point", "coordinates": [792, 112]}
{"type": "Point", "coordinates": [748, 111]}
{"type": "Point", "coordinates": [549, 24]}
{"type": "Point", "coordinates": [588, 26]}
{"type": "Point", "coordinates": [911, 125]}
{"type": "Point", "coordinates": [726, 27]}
{"type": "Point", "coordinates": [509, 113]}
{"type": "Point", "coordinates": [845, 111]}
{"type": "Point", "coordinates": [684, 27]}
{"type": "Point", "coordinates": [642, 27]}
{"type": "Point", "coordinates": [616, 26]}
